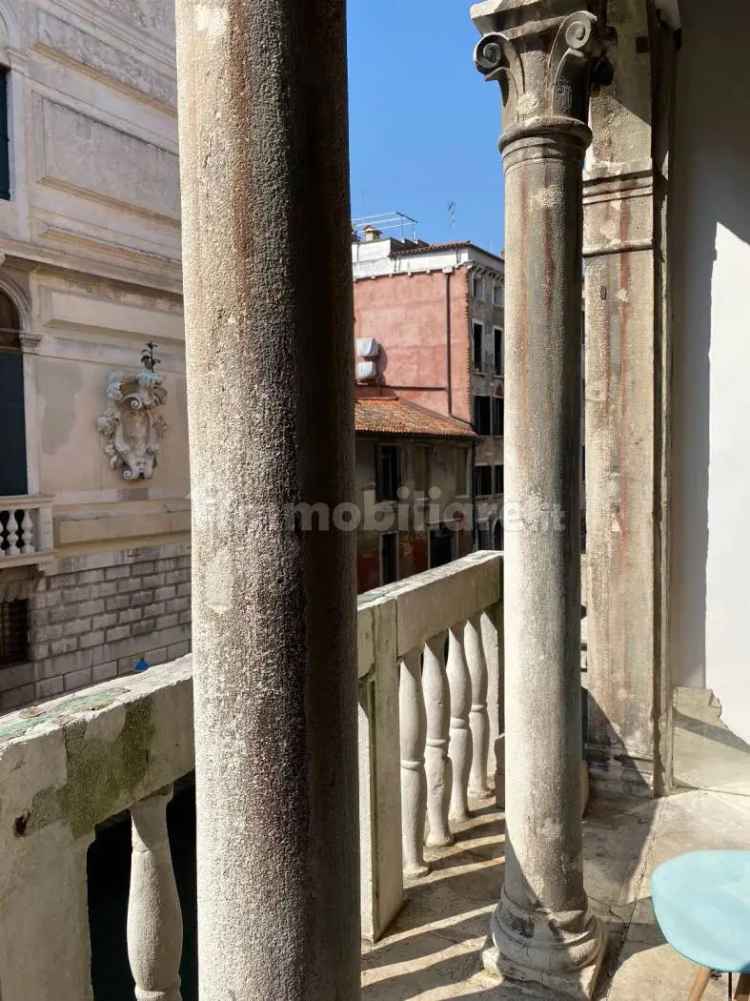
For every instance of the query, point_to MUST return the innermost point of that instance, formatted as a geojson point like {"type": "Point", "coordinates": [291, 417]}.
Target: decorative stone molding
{"type": "Point", "coordinates": [545, 55]}
{"type": "Point", "coordinates": [29, 341]}
{"type": "Point", "coordinates": [131, 428]}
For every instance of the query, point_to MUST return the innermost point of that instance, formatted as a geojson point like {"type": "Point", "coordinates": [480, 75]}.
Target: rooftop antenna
{"type": "Point", "coordinates": [452, 215]}
{"type": "Point", "coordinates": [399, 223]}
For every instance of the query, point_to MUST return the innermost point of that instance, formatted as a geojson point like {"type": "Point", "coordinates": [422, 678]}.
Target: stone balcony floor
{"type": "Point", "coordinates": [432, 952]}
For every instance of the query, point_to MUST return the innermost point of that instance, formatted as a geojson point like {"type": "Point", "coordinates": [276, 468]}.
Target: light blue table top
{"type": "Point", "coordinates": [702, 904]}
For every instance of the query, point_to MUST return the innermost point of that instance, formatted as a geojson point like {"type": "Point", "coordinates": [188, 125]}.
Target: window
{"type": "Point", "coordinates": [388, 473]}
{"type": "Point", "coordinates": [389, 558]}
{"type": "Point", "coordinates": [12, 407]}
{"type": "Point", "coordinates": [477, 287]}
{"type": "Point", "coordinates": [4, 137]}
{"type": "Point", "coordinates": [499, 360]}
{"type": "Point", "coordinates": [421, 469]}
{"type": "Point", "coordinates": [497, 295]}
{"type": "Point", "coordinates": [498, 416]}
{"type": "Point", "coordinates": [461, 463]}
{"type": "Point", "coordinates": [477, 346]}
{"type": "Point", "coordinates": [499, 535]}
{"type": "Point", "coordinates": [499, 479]}
{"type": "Point", "coordinates": [484, 536]}
{"type": "Point", "coordinates": [482, 481]}
{"type": "Point", "coordinates": [482, 415]}
{"type": "Point", "coordinates": [14, 632]}
{"type": "Point", "coordinates": [442, 546]}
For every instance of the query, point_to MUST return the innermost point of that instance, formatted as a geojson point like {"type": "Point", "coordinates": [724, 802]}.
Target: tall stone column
{"type": "Point", "coordinates": [543, 52]}
{"type": "Point", "coordinates": [268, 296]}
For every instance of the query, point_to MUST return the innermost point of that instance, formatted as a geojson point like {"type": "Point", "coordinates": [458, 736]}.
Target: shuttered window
{"type": "Point", "coordinates": [4, 137]}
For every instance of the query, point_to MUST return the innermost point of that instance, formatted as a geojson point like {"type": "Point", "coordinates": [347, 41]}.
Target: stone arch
{"type": "Point", "coordinates": [19, 301]}
{"type": "Point", "coordinates": [10, 322]}
{"type": "Point", "coordinates": [9, 27]}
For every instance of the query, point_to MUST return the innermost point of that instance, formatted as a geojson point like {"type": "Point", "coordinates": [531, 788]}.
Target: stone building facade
{"type": "Point", "coordinates": [437, 311]}
{"type": "Point", "coordinates": [413, 474]}
{"type": "Point", "coordinates": [94, 508]}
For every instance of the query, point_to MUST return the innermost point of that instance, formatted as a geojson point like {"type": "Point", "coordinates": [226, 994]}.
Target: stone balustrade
{"type": "Point", "coordinates": [25, 530]}
{"type": "Point", "coordinates": [65, 767]}
{"type": "Point", "coordinates": [430, 709]}
{"type": "Point", "coordinates": [429, 728]}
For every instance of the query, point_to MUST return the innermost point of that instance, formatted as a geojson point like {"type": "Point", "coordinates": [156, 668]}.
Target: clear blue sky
{"type": "Point", "coordinates": [424, 125]}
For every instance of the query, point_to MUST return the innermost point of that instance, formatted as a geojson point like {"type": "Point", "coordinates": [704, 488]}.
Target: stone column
{"type": "Point", "coordinates": [542, 52]}
{"type": "Point", "coordinates": [268, 296]}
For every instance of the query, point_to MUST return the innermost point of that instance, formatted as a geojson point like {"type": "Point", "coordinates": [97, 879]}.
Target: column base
{"type": "Point", "coordinates": [580, 985]}
{"type": "Point", "coordinates": [563, 957]}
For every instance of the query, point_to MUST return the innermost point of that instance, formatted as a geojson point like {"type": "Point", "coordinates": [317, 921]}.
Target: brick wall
{"type": "Point", "coordinates": [90, 623]}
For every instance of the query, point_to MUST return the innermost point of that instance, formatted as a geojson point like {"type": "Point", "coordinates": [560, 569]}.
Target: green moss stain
{"type": "Point", "coordinates": [29, 719]}
{"type": "Point", "coordinates": [102, 775]}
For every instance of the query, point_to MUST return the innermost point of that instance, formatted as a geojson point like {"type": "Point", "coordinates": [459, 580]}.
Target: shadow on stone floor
{"type": "Point", "coordinates": [433, 949]}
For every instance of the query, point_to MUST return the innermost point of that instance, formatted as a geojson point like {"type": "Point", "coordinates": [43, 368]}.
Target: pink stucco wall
{"type": "Point", "coordinates": [408, 315]}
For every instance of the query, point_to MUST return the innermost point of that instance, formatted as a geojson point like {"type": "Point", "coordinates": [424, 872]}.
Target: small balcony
{"type": "Point", "coordinates": [432, 835]}
{"type": "Point", "coordinates": [25, 531]}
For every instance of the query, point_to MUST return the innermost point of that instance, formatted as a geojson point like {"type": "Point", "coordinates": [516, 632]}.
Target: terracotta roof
{"type": "Point", "coordinates": [391, 415]}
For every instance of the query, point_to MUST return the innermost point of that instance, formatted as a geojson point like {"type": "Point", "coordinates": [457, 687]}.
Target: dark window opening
{"type": "Point", "coordinates": [482, 481]}
{"type": "Point", "coordinates": [14, 632]}
{"type": "Point", "coordinates": [389, 554]}
{"type": "Point", "coordinates": [388, 472]}
{"type": "Point", "coordinates": [13, 480]}
{"type": "Point", "coordinates": [499, 368]}
{"type": "Point", "coordinates": [4, 137]}
{"type": "Point", "coordinates": [498, 416]}
{"type": "Point", "coordinates": [484, 536]}
{"type": "Point", "coordinates": [477, 345]}
{"type": "Point", "coordinates": [482, 415]}
{"type": "Point", "coordinates": [499, 539]}
{"type": "Point", "coordinates": [441, 546]}
{"type": "Point", "coordinates": [499, 479]}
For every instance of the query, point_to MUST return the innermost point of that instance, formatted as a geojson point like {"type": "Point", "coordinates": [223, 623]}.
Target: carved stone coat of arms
{"type": "Point", "coordinates": [132, 427]}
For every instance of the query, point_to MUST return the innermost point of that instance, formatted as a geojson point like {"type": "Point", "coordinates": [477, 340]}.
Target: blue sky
{"type": "Point", "coordinates": [424, 125]}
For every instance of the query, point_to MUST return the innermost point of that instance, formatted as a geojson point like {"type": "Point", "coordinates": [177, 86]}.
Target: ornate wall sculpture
{"type": "Point", "coordinates": [132, 428]}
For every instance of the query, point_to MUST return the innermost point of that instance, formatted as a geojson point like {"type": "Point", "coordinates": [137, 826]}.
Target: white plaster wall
{"type": "Point", "coordinates": [710, 254]}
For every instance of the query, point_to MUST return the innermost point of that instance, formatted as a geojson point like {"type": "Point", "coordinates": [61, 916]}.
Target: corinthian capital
{"type": "Point", "coordinates": [544, 54]}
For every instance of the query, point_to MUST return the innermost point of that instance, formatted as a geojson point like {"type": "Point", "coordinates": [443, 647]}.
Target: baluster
{"type": "Point", "coordinates": [413, 726]}
{"type": "Point", "coordinates": [479, 719]}
{"type": "Point", "coordinates": [494, 655]}
{"type": "Point", "coordinates": [154, 915]}
{"type": "Point", "coordinates": [437, 763]}
{"type": "Point", "coordinates": [4, 519]}
{"type": "Point", "coordinates": [27, 533]}
{"type": "Point", "coordinates": [460, 748]}
{"type": "Point", "coordinates": [14, 535]}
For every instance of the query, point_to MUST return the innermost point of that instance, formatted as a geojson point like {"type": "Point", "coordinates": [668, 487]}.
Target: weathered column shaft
{"type": "Point", "coordinates": [263, 130]}
{"type": "Point", "coordinates": [541, 52]}
{"type": "Point", "coordinates": [542, 548]}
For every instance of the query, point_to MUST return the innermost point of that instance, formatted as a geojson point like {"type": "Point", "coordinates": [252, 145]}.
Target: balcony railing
{"type": "Point", "coordinates": [73, 763]}
{"type": "Point", "coordinates": [25, 530]}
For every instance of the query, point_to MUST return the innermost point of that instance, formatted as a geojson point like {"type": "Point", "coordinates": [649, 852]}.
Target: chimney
{"type": "Point", "coordinates": [372, 234]}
